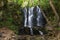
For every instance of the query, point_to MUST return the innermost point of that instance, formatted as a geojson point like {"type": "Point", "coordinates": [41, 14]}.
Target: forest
{"type": "Point", "coordinates": [11, 18]}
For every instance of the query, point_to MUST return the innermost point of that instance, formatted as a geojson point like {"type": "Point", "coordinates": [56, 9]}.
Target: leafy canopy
{"type": "Point", "coordinates": [25, 3]}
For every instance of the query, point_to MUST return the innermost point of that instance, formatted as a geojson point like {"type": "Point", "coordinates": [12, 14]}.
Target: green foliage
{"type": "Point", "coordinates": [44, 4]}
{"type": "Point", "coordinates": [24, 3]}
{"type": "Point", "coordinates": [36, 2]}
{"type": "Point", "coordinates": [57, 5]}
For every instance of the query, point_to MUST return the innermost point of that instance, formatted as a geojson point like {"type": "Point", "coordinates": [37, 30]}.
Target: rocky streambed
{"type": "Point", "coordinates": [7, 34]}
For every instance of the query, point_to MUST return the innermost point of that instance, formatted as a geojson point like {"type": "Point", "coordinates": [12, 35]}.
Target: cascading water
{"type": "Point", "coordinates": [28, 18]}
{"type": "Point", "coordinates": [25, 15]}
{"type": "Point", "coordinates": [40, 19]}
{"type": "Point", "coordinates": [28, 15]}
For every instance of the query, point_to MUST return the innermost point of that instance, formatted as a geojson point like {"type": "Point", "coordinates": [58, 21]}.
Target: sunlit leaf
{"type": "Point", "coordinates": [24, 4]}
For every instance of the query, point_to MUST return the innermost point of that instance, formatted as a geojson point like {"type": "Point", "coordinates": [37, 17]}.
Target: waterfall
{"type": "Point", "coordinates": [30, 19]}
{"type": "Point", "coordinates": [41, 21]}
{"type": "Point", "coordinates": [40, 18]}
{"type": "Point", "coordinates": [25, 16]}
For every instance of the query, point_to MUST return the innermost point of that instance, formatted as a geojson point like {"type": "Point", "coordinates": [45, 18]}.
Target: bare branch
{"type": "Point", "coordinates": [55, 12]}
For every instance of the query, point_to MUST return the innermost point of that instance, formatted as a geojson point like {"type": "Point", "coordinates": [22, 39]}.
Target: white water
{"type": "Point", "coordinates": [39, 17]}
{"type": "Point", "coordinates": [30, 19]}
{"type": "Point", "coordinates": [25, 15]}
{"type": "Point", "coordinates": [41, 33]}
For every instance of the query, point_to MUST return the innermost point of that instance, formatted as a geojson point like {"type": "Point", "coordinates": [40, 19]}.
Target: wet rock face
{"type": "Point", "coordinates": [26, 31]}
